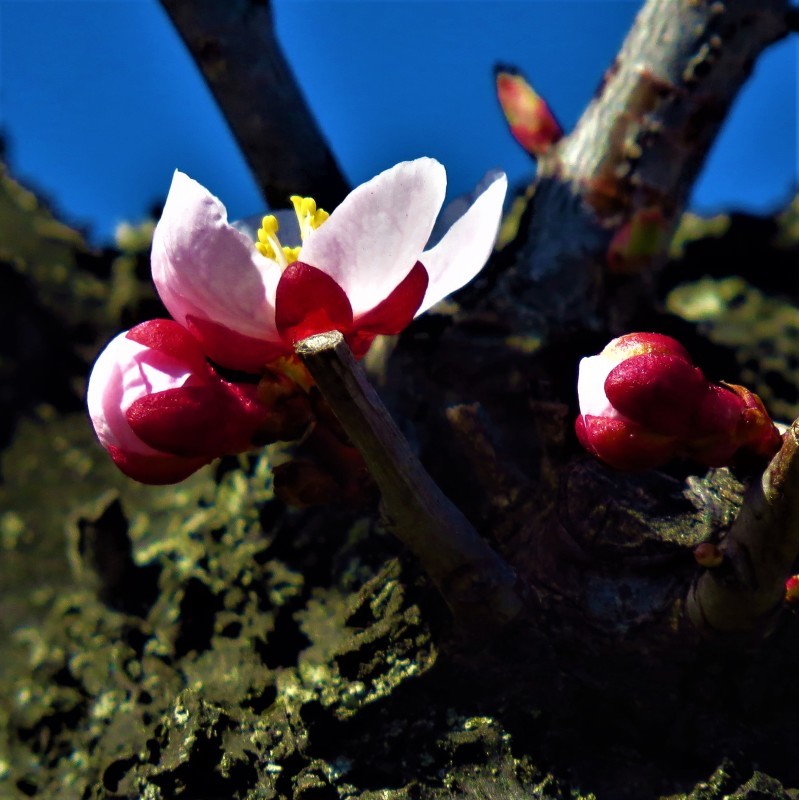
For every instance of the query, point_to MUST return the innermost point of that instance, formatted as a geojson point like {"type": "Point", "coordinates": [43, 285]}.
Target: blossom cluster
{"type": "Point", "coordinates": [644, 402]}
{"type": "Point", "coordinates": [169, 396]}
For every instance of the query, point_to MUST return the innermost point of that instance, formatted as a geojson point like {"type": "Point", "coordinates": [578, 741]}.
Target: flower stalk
{"type": "Point", "coordinates": [480, 588]}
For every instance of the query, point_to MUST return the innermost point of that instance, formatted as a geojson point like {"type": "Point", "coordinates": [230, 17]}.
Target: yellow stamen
{"type": "Point", "coordinates": [309, 217]}
{"type": "Point", "coordinates": [268, 244]}
{"type": "Point", "coordinates": [291, 253]}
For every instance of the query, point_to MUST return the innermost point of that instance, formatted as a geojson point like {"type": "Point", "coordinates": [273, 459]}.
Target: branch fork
{"type": "Point", "coordinates": [742, 597]}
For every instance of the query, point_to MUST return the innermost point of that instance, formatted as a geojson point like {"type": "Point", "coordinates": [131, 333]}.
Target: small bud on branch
{"type": "Point", "coordinates": [529, 118]}
{"type": "Point", "coordinates": [643, 402]}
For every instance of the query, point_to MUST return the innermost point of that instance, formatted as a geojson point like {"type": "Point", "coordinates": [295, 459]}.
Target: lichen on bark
{"type": "Point", "coordinates": [206, 641]}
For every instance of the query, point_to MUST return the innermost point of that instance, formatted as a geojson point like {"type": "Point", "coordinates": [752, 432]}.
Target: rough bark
{"type": "Point", "coordinates": [740, 599]}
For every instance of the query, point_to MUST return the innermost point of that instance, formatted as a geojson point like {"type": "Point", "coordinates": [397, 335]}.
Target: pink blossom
{"type": "Point", "coordinates": [161, 411]}
{"type": "Point", "coordinates": [364, 271]}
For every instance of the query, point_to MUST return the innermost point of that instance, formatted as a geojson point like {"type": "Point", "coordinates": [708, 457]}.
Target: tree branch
{"type": "Point", "coordinates": [480, 588]}
{"type": "Point", "coordinates": [234, 45]}
{"type": "Point", "coordinates": [636, 150]}
{"type": "Point", "coordinates": [740, 599]}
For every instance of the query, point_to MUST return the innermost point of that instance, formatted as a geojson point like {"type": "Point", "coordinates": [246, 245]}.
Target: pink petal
{"type": "Point", "coordinates": [308, 301]}
{"type": "Point", "coordinates": [124, 372]}
{"type": "Point", "coordinates": [378, 233]}
{"type": "Point", "coordinates": [591, 395]}
{"type": "Point", "coordinates": [466, 246]}
{"type": "Point", "coordinates": [205, 268]}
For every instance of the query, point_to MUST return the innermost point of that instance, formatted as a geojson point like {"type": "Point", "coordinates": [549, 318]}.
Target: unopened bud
{"type": "Point", "coordinates": [708, 555]}
{"type": "Point", "coordinates": [529, 118]}
{"type": "Point", "coordinates": [643, 402]}
{"type": "Point", "coordinates": [792, 590]}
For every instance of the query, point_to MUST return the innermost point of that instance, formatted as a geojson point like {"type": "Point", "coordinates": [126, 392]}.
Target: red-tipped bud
{"type": "Point", "coordinates": [755, 428]}
{"type": "Point", "coordinates": [792, 590]}
{"type": "Point", "coordinates": [658, 391]}
{"type": "Point", "coordinates": [708, 555]}
{"type": "Point", "coordinates": [642, 402]}
{"type": "Point", "coordinates": [161, 411]}
{"type": "Point", "coordinates": [531, 122]}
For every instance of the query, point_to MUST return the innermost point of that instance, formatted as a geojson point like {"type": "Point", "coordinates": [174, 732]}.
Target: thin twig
{"type": "Point", "coordinates": [741, 598]}
{"type": "Point", "coordinates": [235, 46]}
{"type": "Point", "coordinates": [478, 585]}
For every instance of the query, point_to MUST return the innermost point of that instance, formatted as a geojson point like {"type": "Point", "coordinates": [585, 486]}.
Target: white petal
{"type": "Point", "coordinates": [203, 266]}
{"type": "Point", "coordinates": [591, 386]}
{"type": "Point", "coordinates": [466, 246]}
{"type": "Point", "coordinates": [373, 239]}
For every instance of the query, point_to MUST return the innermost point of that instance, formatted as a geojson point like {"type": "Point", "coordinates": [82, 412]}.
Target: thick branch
{"type": "Point", "coordinates": [741, 598]}
{"type": "Point", "coordinates": [637, 150]}
{"type": "Point", "coordinates": [480, 588]}
{"type": "Point", "coordinates": [234, 44]}
{"type": "Point", "coordinates": [643, 139]}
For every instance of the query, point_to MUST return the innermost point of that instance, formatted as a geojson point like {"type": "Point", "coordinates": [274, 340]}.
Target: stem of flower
{"type": "Point", "coordinates": [741, 599]}
{"type": "Point", "coordinates": [480, 588]}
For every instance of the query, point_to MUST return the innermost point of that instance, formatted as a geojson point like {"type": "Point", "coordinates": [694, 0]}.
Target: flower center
{"type": "Point", "coordinates": [309, 217]}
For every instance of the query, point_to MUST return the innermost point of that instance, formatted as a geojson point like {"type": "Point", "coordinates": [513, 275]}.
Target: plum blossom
{"type": "Point", "coordinates": [161, 411]}
{"type": "Point", "coordinates": [363, 271]}
{"type": "Point", "coordinates": [643, 402]}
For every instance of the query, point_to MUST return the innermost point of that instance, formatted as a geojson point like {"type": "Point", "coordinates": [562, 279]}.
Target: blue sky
{"type": "Point", "coordinates": [99, 101]}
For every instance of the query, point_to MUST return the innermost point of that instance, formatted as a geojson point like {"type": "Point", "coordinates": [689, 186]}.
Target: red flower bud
{"type": "Point", "coordinates": [529, 118]}
{"type": "Point", "coordinates": [643, 402]}
{"type": "Point", "coordinates": [161, 411]}
{"type": "Point", "coordinates": [792, 590]}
